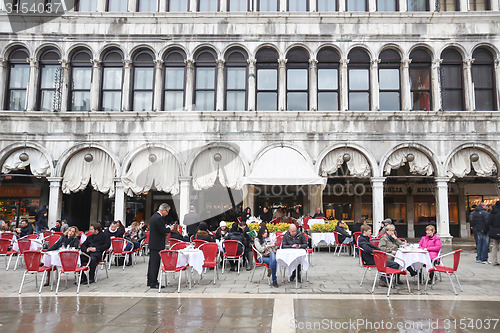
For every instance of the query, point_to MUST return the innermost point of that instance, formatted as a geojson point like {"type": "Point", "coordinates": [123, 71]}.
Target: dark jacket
{"type": "Point", "coordinates": [157, 232]}
{"type": "Point", "coordinates": [42, 223]}
{"type": "Point", "coordinates": [368, 248]}
{"type": "Point", "coordinates": [65, 241]}
{"type": "Point", "coordinates": [56, 229]}
{"type": "Point", "coordinates": [494, 230]}
{"type": "Point", "coordinates": [203, 235]}
{"type": "Point", "coordinates": [480, 220]}
{"type": "Point", "coordinates": [343, 234]}
{"type": "Point", "coordinates": [266, 217]}
{"type": "Point", "coordinates": [241, 236]}
{"type": "Point", "coordinates": [118, 233]}
{"type": "Point", "coordinates": [27, 230]}
{"type": "Point", "coordinates": [356, 227]}
{"type": "Point", "coordinates": [191, 221]}
{"type": "Point", "coordinates": [315, 216]}
{"type": "Point", "coordinates": [299, 239]}
{"type": "Point", "coordinates": [100, 241]}
{"type": "Point", "coordinates": [176, 235]}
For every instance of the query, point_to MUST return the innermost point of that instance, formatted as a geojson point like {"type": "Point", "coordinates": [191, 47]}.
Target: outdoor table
{"type": "Point", "coordinates": [52, 258]}
{"type": "Point", "coordinates": [414, 257]}
{"type": "Point", "coordinates": [35, 245]}
{"type": "Point", "coordinates": [318, 237]}
{"type": "Point", "coordinates": [193, 258]}
{"type": "Point", "coordinates": [290, 259]}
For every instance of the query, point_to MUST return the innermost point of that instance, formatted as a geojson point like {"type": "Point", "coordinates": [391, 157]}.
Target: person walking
{"type": "Point", "coordinates": [480, 220]}
{"type": "Point", "coordinates": [157, 237]}
{"type": "Point", "coordinates": [494, 233]}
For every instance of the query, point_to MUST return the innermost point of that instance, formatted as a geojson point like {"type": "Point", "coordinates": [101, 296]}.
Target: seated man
{"type": "Point", "coordinates": [94, 246]}
{"type": "Point", "coordinates": [57, 228]}
{"type": "Point", "coordinates": [318, 214]}
{"type": "Point", "coordinates": [25, 229]}
{"type": "Point", "coordinates": [344, 235]}
{"type": "Point", "coordinates": [293, 239]}
{"type": "Point", "coordinates": [367, 253]}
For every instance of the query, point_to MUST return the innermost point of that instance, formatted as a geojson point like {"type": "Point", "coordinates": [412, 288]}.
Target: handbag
{"type": "Point", "coordinates": [268, 250]}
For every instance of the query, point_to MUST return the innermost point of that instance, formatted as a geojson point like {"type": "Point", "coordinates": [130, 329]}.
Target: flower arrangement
{"type": "Point", "coordinates": [329, 226]}
{"type": "Point", "coordinates": [270, 226]}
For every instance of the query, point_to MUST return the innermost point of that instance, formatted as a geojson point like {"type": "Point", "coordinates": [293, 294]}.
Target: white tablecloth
{"type": "Point", "coordinates": [51, 258]}
{"type": "Point", "coordinates": [327, 237]}
{"type": "Point", "coordinates": [34, 246]}
{"type": "Point", "coordinates": [414, 258]}
{"type": "Point", "coordinates": [312, 222]}
{"type": "Point", "coordinates": [194, 258]}
{"type": "Point", "coordinates": [290, 259]}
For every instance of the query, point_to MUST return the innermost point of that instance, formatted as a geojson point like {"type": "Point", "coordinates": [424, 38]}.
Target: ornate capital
{"type": "Point", "coordinates": [497, 63]}
{"type": "Point", "coordinates": [158, 63]}
{"type": "Point", "coordinates": [96, 63]}
{"type": "Point", "coordinates": [32, 61]}
{"type": "Point", "coordinates": [64, 63]}
{"type": "Point", "coordinates": [251, 62]}
{"type": "Point", "coordinates": [344, 61]}
{"type": "Point", "coordinates": [313, 63]}
{"type": "Point", "coordinates": [189, 63]}
{"type": "Point", "coordinates": [3, 62]}
{"type": "Point", "coordinates": [406, 62]}
{"type": "Point", "coordinates": [436, 63]}
{"type": "Point", "coordinates": [468, 63]}
{"type": "Point", "coordinates": [127, 63]}
{"type": "Point", "coordinates": [220, 63]}
{"type": "Point", "coordinates": [282, 62]}
{"type": "Point", "coordinates": [374, 63]}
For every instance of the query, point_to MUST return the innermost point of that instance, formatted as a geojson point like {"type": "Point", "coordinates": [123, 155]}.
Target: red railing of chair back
{"type": "Point", "coordinates": [46, 233]}
{"type": "Point", "coordinates": [336, 235]}
{"type": "Point", "coordinates": [279, 240]}
{"type": "Point", "coordinates": [239, 218]}
{"type": "Point", "coordinates": [4, 245]}
{"type": "Point", "coordinates": [305, 221]}
{"type": "Point", "coordinates": [375, 242]}
{"type": "Point", "coordinates": [456, 259]}
{"type": "Point", "coordinates": [32, 236]}
{"type": "Point", "coordinates": [198, 243]}
{"type": "Point", "coordinates": [172, 241]}
{"type": "Point", "coordinates": [179, 246]}
{"type": "Point", "coordinates": [231, 248]}
{"type": "Point", "coordinates": [24, 245]}
{"type": "Point", "coordinates": [276, 220]}
{"type": "Point", "coordinates": [58, 233]}
{"type": "Point", "coordinates": [69, 260]}
{"type": "Point", "coordinates": [356, 236]}
{"type": "Point", "coordinates": [117, 245]}
{"type": "Point", "coordinates": [210, 251]}
{"type": "Point", "coordinates": [279, 233]}
{"type": "Point", "coordinates": [255, 260]}
{"type": "Point", "coordinates": [7, 235]}
{"type": "Point", "coordinates": [146, 241]}
{"type": "Point", "coordinates": [88, 233]}
{"type": "Point", "coordinates": [169, 259]}
{"type": "Point", "coordinates": [53, 239]}
{"type": "Point", "coordinates": [380, 260]}
{"type": "Point", "coordinates": [32, 260]}
{"type": "Point", "coordinates": [180, 230]}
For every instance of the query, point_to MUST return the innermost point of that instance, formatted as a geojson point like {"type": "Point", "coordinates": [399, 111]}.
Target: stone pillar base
{"type": "Point", "coordinates": [446, 240]}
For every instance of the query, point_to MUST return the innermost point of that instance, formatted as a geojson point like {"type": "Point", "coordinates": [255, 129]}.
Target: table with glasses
{"type": "Point", "coordinates": [193, 258]}
{"type": "Point", "coordinates": [289, 259]}
{"type": "Point", "coordinates": [414, 257]}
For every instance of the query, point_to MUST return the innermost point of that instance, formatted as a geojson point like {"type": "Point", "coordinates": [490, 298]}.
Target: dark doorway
{"type": "Point", "coordinates": [76, 208]}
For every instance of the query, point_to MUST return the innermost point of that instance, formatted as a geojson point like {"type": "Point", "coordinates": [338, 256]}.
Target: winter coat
{"type": "Point", "coordinates": [432, 244]}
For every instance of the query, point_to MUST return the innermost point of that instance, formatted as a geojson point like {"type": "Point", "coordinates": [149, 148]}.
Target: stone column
{"type": "Point", "coordinates": [374, 85]}
{"type": "Point", "coordinates": [344, 91]}
{"type": "Point", "coordinates": [405, 85]}
{"type": "Point", "coordinates": [3, 80]}
{"type": "Point", "coordinates": [119, 201]}
{"type": "Point", "coordinates": [468, 86]}
{"type": "Point", "coordinates": [101, 5]}
{"type": "Point", "coordinates": [436, 85]}
{"type": "Point", "coordinates": [377, 202]}
{"type": "Point", "coordinates": [219, 100]}
{"type": "Point", "coordinates": [342, 6]}
{"type": "Point", "coordinates": [442, 215]}
{"type": "Point", "coordinates": [132, 6]}
{"type": "Point", "coordinates": [184, 198]}
{"type": "Point", "coordinates": [464, 4]}
{"type": "Point", "coordinates": [158, 93]}
{"type": "Point", "coordinates": [497, 79]}
{"type": "Point", "coordinates": [313, 84]}
{"type": "Point", "coordinates": [403, 6]}
{"type": "Point", "coordinates": [494, 7]}
{"type": "Point", "coordinates": [94, 207]}
{"type": "Point", "coordinates": [223, 6]}
{"type": "Point", "coordinates": [372, 5]}
{"type": "Point", "coordinates": [313, 6]}
{"type": "Point", "coordinates": [315, 199]}
{"type": "Point", "coordinates": [462, 212]}
{"type": "Point", "coordinates": [252, 84]}
{"type": "Point", "coordinates": [126, 93]}
{"type": "Point", "coordinates": [193, 5]}
{"type": "Point", "coordinates": [282, 84]}
{"type": "Point", "coordinates": [358, 202]}
{"type": "Point", "coordinates": [64, 84]}
{"type": "Point", "coordinates": [188, 104]}
{"type": "Point", "coordinates": [31, 94]}
{"type": "Point", "coordinates": [432, 5]}
{"type": "Point", "coordinates": [283, 5]}
{"type": "Point", "coordinates": [54, 200]}
{"type": "Point", "coordinates": [162, 8]}
{"type": "Point", "coordinates": [410, 212]}
{"type": "Point", "coordinates": [249, 196]}
{"type": "Point", "coordinates": [95, 87]}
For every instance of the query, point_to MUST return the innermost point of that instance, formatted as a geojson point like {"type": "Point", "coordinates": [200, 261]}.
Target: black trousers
{"type": "Point", "coordinates": [153, 267]}
{"type": "Point", "coordinates": [95, 257]}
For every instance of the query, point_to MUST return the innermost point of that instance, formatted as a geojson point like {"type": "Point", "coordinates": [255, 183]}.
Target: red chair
{"type": "Point", "coordinates": [46, 233]}
{"type": "Point", "coordinates": [231, 252]}
{"type": "Point", "coordinates": [118, 246]}
{"type": "Point", "coordinates": [339, 245]}
{"type": "Point", "coordinates": [24, 245]}
{"type": "Point", "coordinates": [88, 233]}
{"type": "Point", "coordinates": [305, 222]}
{"type": "Point", "coordinates": [7, 235]}
{"type": "Point", "coordinates": [381, 263]}
{"type": "Point", "coordinates": [211, 254]}
{"type": "Point", "coordinates": [58, 233]}
{"type": "Point", "coordinates": [4, 251]}
{"type": "Point", "coordinates": [52, 239]}
{"type": "Point", "coordinates": [179, 246]}
{"type": "Point", "coordinates": [32, 260]}
{"type": "Point", "coordinates": [279, 233]}
{"type": "Point", "coordinates": [310, 251]}
{"type": "Point", "coordinates": [279, 240]}
{"type": "Point", "coordinates": [102, 262]}
{"type": "Point", "coordinates": [375, 241]}
{"type": "Point", "coordinates": [363, 263]}
{"type": "Point", "coordinates": [30, 237]}
{"type": "Point", "coordinates": [169, 264]}
{"type": "Point", "coordinates": [256, 258]}
{"type": "Point", "coordinates": [239, 219]}
{"type": "Point", "coordinates": [437, 267]}
{"type": "Point", "coordinates": [356, 236]}
{"type": "Point", "coordinates": [198, 243]}
{"type": "Point", "coordinates": [276, 220]}
{"type": "Point", "coordinates": [172, 241]}
{"type": "Point", "coordinates": [145, 245]}
{"type": "Point", "coordinates": [69, 264]}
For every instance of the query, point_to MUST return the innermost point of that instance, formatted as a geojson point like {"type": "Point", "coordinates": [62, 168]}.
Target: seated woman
{"type": "Point", "coordinates": [135, 235]}
{"type": "Point", "coordinates": [432, 243]}
{"type": "Point", "coordinates": [174, 233]}
{"type": "Point", "coordinates": [203, 233]}
{"type": "Point", "coordinates": [268, 250]}
{"type": "Point", "coordinates": [221, 231]}
{"type": "Point", "coordinates": [70, 238]}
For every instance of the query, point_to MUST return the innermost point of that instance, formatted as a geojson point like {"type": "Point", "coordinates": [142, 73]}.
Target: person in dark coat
{"type": "Point", "coordinates": [480, 221]}
{"type": "Point", "coordinates": [42, 223]}
{"type": "Point", "coordinates": [191, 221]}
{"type": "Point", "coordinates": [239, 232]}
{"type": "Point", "coordinates": [203, 233]}
{"type": "Point", "coordinates": [94, 246]}
{"type": "Point", "coordinates": [247, 213]}
{"type": "Point", "coordinates": [356, 227]}
{"type": "Point", "coordinates": [25, 229]}
{"type": "Point", "coordinates": [175, 234]}
{"type": "Point", "coordinates": [69, 239]}
{"type": "Point", "coordinates": [266, 215]}
{"type": "Point", "coordinates": [114, 230]}
{"type": "Point", "coordinates": [494, 233]}
{"type": "Point", "coordinates": [157, 236]}
{"type": "Point", "coordinates": [57, 227]}
{"type": "Point", "coordinates": [294, 239]}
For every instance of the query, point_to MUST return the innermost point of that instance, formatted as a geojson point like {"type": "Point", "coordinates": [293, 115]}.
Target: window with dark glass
{"type": "Point", "coordinates": [359, 80]}
{"type": "Point", "coordinates": [208, 5]}
{"type": "Point", "coordinates": [268, 5]}
{"type": "Point", "coordinates": [483, 79]}
{"type": "Point", "coordinates": [267, 79]}
{"type": "Point", "coordinates": [479, 5]}
{"type": "Point", "coordinates": [298, 5]}
{"type": "Point", "coordinates": [117, 5]}
{"type": "Point", "coordinates": [174, 73]}
{"type": "Point", "coordinates": [18, 79]}
{"type": "Point", "coordinates": [237, 5]}
{"type": "Point", "coordinates": [297, 80]}
{"type": "Point", "coordinates": [86, 5]}
{"type": "Point", "coordinates": [418, 5]}
{"type": "Point", "coordinates": [143, 78]}
{"type": "Point", "coordinates": [112, 81]}
{"type": "Point", "coordinates": [327, 5]}
{"type": "Point", "coordinates": [236, 80]}
{"type": "Point", "coordinates": [147, 5]}
{"type": "Point", "coordinates": [387, 5]}
{"type": "Point", "coordinates": [80, 81]}
{"type": "Point", "coordinates": [205, 83]}
{"type": "Point", "coordinates": [356, 5]}
{"type": "Point", "coordinates": [49, 93]}
{"type": "Point", "coordinates": [448, 5]}
{"type": "Point", "coordinates": [328, 80]}
{"type": "Point", "coordinates": [389, 80]}
{"type": "Point", "coordinates": [420, 80]}
{"type": "Point", "coordinates": [177, 6]}
{"type": "Point", "coordinates": [451, 69]}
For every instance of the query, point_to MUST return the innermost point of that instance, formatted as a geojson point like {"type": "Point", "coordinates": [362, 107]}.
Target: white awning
{"type": "Point", "coordinates": [39, 165]}
{"type": "Point", "coordinates": [460, 164]}
{"type": "Point", "coordinates": [358, 165]}
{"type": "Point", "coordinates": [421, 165]}
{"type": "Point", "coordinates": [230, 169]}
{"type": "Point", "coordinates": [283, 166]}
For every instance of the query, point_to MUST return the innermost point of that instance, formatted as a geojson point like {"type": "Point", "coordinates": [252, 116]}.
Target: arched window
{"type": "Point", "coordinates": [418, 5]}
{"type": "Point", "coordinates": [49, 93]}
{"type": "Point", "coordinates": [452, 81]}
{"type": "Point", "coordinates": [389, 80]}
{"type": "Point", "coordinates": [86, 5]}
{"type": "Point", "coordinates": [420, 80]}
{"type": "Point", "coordinates": [19, 75]}
{"type": "Point", "coordinates": [208, 5]}
{"type": "Point", "coordinates": [298, 5]}
{"type": "Point", "coordinates": [178, 6]}
{"type": "Point", "coordinates": [237, 5]}
{"type": "Point", "coordinates": [356, 5]}
{"type": "Point", "coordinates": [147, 5]}
{"type": "Point", "coordinates": [448, 5]}
{"type": "Point", "coordinates": [112, 81]}
{"type": "Point", "coordinates": [268, 5]}
{"type": "Point", "coordinates": [328, 80]}
{"type": "Point", "coordinates": [359, 80]}
{"type": "Point", "coordinates": [80, 81]}
{"type": "Point", "coordinates": [174, 73]}
{"type": "Point", "coordinates": [267, 79]}
{"type": "Point", "coordinates": [327, 5]}
{"type": "Point", "coordinates": [117, 5]}
{"type": "Point", "coordinates": [205, 81]}
{"type": "Point", "coordinates": [143, 81]}
{"type": "Point", "coordinates": [479, 5]}
{"type": "Point", "coordinates": [387, 5]}
{"type": "Point", "coordinates": [483, 78]}
{"type": "Point", "coordinates": [297, 80]}
{"type": "Point", "coordinates": [236, 80]}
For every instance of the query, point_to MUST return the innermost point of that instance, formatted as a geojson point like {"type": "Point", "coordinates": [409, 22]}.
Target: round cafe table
{"type": "Point", "coordinates": [414, 257]}
{"type": "Point", "coordinates": [192, 257]}
{"type": "Point", "coordinates": [290, 259]}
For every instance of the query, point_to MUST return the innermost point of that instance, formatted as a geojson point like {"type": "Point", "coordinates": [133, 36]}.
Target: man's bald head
{"type": "Point", "coordinates": [292, 229]}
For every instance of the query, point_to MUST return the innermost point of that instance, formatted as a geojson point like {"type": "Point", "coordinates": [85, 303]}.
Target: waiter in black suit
{"type": "Point", "coordinates": [157, 236]}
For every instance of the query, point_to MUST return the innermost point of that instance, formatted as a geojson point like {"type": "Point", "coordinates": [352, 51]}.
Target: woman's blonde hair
{"type": "Point", "coordinates": [135, 225]}
{"type": "Point", "coordinates": [431, 227]}
{"type": "Point", "coordinates": [77, 233]}
{"type": "Point", "coordinates": [390, 227]}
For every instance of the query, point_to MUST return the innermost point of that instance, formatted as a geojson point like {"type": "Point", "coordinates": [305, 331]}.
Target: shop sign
{"type": "Point", "coordinates": [20, 191]}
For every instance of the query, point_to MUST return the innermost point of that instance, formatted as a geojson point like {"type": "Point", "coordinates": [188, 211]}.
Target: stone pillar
{"type": "Point", "coordinates": [468, 86]}
{"type": "Point", "coordinates": [372, 5]}
{"type": "Point", "coordinates": [464, 4]}
{"type": "Point", "coordinates": [357, 207]}
{"type": "Point", "coordinates": [219, 100]}
{"type": "Point", "coordinates": [432, 5]}
{"type": "Point", "coordinates": [494, 8]}
{"type": "Point", "coordinates": [95, 87]}
{"type": "Point", "coordinates": [462, 211]}
{"type": "Point", "coordinates": [127, 68]}
{"type": "Point", "coordinates": [101, 5]}
{"type": "Point", "coordinates": [223, 6]}
{"type": "Point", "coordinates": [162, 8]}
{"type": "Point", "coordinates": [31, 94]}
{"type": "Point", "coordinates": [342, 6]}
{"type": "Point", "coordinates": [442, 215]}
{"type": "Point", "coordinates": [374, 85]}
{"type": "Point", "coordinates": [188, 104]}
{"type": "Point", "coordinates": [377, 202]}
{"type": "Point", "coordinates": [313, 6]}
{"type": "Point", "coordinates": [3, 80]}
{"type": "Point", "coordinates": [132, 6]}
{"type": "Point", "coordinates": [54, 200]}
{"type": "Point", "coordinates": [249, 196]}
{"type": "Point", "coordinates": [282, 84]}
{"type": "Point", "coordinates": [283, 5]}
{"type": "Point", "coordinates": [252, 84]}
{"type": "Point", "coordinates": [120, 202]}
{"type": "Point", "coordinates": [436, 84]}
{"type": "Point", "coordinates": [158, 93]}
{"type": "Point", "coordinates": [184, 198]}
{"type": "Point", "coordinates": [64, 84]}
{"type": "Point", "coordinates": [94, 207]}
{"type": "Point", "coordinates": [405, 85]}
{"type": "Point", "coordinates": [315, 199]}
{"type": "Point", "coordinates": [149, 207]}
{"type": "Point", "coordinates": [403, 6]}
{"type": "Point", "coordinates": [313, 83]}
{"type": "Point", "coordinates": [344, 91]}
{"type": "Point", "coordinates": [410, 212]}
{"type": "Point", "coordinates": [497, 79]}
{"type": "Point", "coordinates": [193, 5]}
